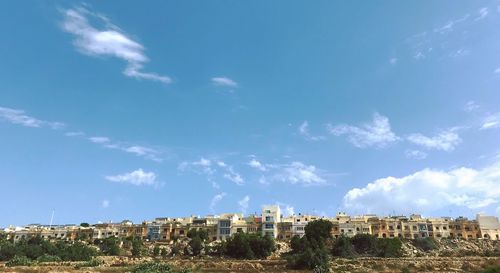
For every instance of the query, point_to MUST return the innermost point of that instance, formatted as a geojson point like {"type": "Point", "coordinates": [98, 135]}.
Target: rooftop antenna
{"type": "Point", "coordinates": [51, 219]}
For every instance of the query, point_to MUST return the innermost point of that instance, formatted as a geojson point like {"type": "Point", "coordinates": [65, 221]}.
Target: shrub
{"type": "Point", "coordinates": [19, 261]}
{"type": "Point", "coordinates": [389, 247]}
{"type": "Point", "coordinates": [249, 246]}
{"type": "Point", "coordinates": [91, 263]}
{"type": "Point", "coordinates": [310, 258]}
{"type": "Point", "coordinates": [405, 270]}
{"type": "Point", "coordinates": [364, 243]}
{"type": "Point", "coordinates": [45, 258]}
{"type": "Point", "coordinates": [153, 267]}
{"type": "Point", "coordinates": [425, 244]}
{"type": "Point", "coordinates": [495, 269]}
{"type": "Point", "coordinates": [343, 247]}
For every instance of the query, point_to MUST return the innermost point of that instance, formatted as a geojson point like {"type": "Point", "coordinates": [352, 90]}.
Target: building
{"type": "Point", "coordinates": [489, 227]}
{"type": "Point", "coordinates": [271, 216]}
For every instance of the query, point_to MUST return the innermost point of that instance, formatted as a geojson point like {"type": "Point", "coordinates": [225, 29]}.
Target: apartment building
{"type": "Point", "coordinates": [271, 216]}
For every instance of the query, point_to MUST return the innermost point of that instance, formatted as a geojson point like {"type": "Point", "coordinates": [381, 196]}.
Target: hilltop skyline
{"type": "Point", "coordinates": [111, 112]}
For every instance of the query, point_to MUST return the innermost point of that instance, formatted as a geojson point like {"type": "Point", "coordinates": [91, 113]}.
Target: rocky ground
{"type": "Point", "coordinates": [457, 256]}
{"type": "Point", "coordinates": [360, 265]}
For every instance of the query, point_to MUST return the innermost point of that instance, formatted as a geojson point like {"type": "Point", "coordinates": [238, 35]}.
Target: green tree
{"type": "Point", "coordinates": [137, 247]}
{"type": "Point", "coordinates": [319, 230]}
{"type": "Point", "coordinates": [342, 247]}
{"type": "Point", "coordinates": [84, 225]}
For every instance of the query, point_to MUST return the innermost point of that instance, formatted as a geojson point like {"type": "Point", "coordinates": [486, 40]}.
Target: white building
{"type": "Point", "coordinates": [271, 216]}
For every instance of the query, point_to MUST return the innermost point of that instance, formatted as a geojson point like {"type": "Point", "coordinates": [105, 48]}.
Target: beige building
{"type": "Point", "coordinates": [489, 227]}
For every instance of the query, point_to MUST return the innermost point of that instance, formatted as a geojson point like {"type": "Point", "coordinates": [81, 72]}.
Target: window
{"type": "Point", "coordinates": [269, 218]}
{"type": "Point", "coordinates": [268, 226]}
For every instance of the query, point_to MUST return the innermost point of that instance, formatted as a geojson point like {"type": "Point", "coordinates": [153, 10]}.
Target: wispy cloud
{"type": "Point", "coordinates": [142, 151]}
{"type": "Point", "coordinates": [99, 139]}
{"type": "Point", "coordinates": [74, 134]}
{"type": "Point", "coordinates": [491, 121]}
{"type": "Point", "coordinates": [137, 178]}
{"type": "Point", "coordinates": [415, 154]}
{"type": "Point", "coordinates": [446, 140]}
{"type": "Point", "coordinates": [243, 204]}
{"type": "Point", "coordinates": [215, 200]}
{"type": "Point", "coordinates": [304, 132]}
{"type": "Point", "coordinates": [428, 191]}
{"type": "Point", "coordinates": [108, 41]}
{"type": "Point", "coordinates": [377, 134]}
{"type": "Point", "coordinates": [212, 169]}
{"type": "Point", "coordinates": [482, 13]}
{"type": "Point", "coordinates": [393, 61]}
{"type": "Point", "coordinates": [19, 117]}
{"type": "Point", "coordinates": [224, 81]}
{"type": "Point", "coordinates": [471, 106]}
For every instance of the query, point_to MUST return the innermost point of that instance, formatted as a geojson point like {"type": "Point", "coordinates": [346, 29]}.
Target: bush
{"type": "Point", "coordinates": [19, 261]}
{"type": "Point", "coordinates": [153, 267]}
{"type": "Point", "coordinates": [45, 258]}
{"type": "Point", "coordinates": [92, 263]}
{"type": "Point", "coordinates": [343, 247]}
{"type": "Point", "coordinates": [405, 270]}
{"type": "Point", "coordinates": [495, 269]}
{"type": "Point", "coordinates": [310, 258]}
{"type": "Point", "coordinates": [364, 244]}
{"type": "Point", "coordinates": [389, 247]}
{"type": "Point", "coordinates": [249, 246]}
{"type": "Point", "coordinates": [425, 244]}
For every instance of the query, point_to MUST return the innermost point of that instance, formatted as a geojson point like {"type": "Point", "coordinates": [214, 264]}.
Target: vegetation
{"type": "Point", "coordinates": [425, 244]}
{"type": "Point", "coordinates": [153, 267]}
{"type": "Point", "coordinates": [37, 247]}
{"type": "Point", "coordinates": [248, 246]}
{"type": "Point", "coordinates": [198, 239]}
{"type": "Point", "coordinates": [367, 245]}
{"type": "Point", "coordinates": [311, 250]}
{"type": "Point", "coordinates": [109, 246]}
{"type": "Point", "coordinates": [19, 261]}
{"type": "Point", "coordinates": [495, 269]}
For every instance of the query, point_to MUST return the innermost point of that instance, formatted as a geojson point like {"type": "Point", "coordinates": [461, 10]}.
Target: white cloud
{"type": "Point", "coordinates": [105, 204]}
{"type": "Point", "coordinates": [216, 199]}
{"type": "Point", "coordinates": [483, 12]}
{"type": "Point", "coordinates": [254, 163]}
{"type": "Point", "coordinates": [74, 134]}
{"type": "Point", "coordinates": [19, 117]}
{"type": "Point", "coordinates": [445, 141]}
{"type": "Point", "coordinates": [299, 173]}
{"type": "Point", "coordinates": [243, 204]}
{"type": "Point", "coordinates": [224, 81]}
{"type": "Point", "coordinates": [304, 132]}
{"type": "Point", "coordinates": [99, 139]}
{"type": "Point", "coordinates": [497, 71]}
{"type": "Point", "coordinates": [211, 168]}
{"type": "Point", "coordinates": [491, 121]}
{"type": "Point", "coordinates": [286, 209]}
{"type": "Point", "coordinates": [393, 61]}
{"type": "Point", "coordinates": [415, 154]}
{"type": "Point", "coordinates": [231, 174]}
{"type": "Point", "coordinates": [378, 133]}
{"type": "Point", "coordinates": [137, 178]}
{"type": "Point", "coordinates": [471, 106]}
{"type": "Point", "coordinates": [108, 41]}
{"type": "Point", "coordinates": [428, 191]}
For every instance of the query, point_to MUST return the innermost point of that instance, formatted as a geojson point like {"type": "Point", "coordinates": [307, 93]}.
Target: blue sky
{"type": "Point", "coordinates": [172, 108]}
